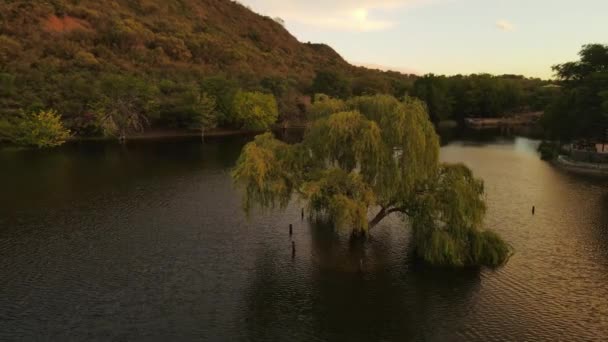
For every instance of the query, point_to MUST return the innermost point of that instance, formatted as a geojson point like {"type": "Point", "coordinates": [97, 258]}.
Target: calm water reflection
{"type": "Point", "coordinates": [148, 242]}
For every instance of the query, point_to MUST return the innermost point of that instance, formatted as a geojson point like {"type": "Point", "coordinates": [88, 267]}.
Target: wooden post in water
{"type": "Point", "coordinates": [533, 209]}
{"type": "Point", "coordinates": [293, 249]}
{"type": "Point", "coordinates": [290, 229]}
{"type": "Point", "coordinates": [302, 214]}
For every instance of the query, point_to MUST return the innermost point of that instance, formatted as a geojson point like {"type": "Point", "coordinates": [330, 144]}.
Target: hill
{"type": "Point", "coordinates": [55, 54]}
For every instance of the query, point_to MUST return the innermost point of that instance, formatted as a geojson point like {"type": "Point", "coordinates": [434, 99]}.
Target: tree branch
{"type": "Point", "coordinates": [384, 212]}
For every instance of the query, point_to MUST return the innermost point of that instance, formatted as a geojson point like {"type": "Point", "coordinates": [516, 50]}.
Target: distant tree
{"type": "Point", "coordinates": [43, 129]}
{"type": "Point", "coordinates": [370, 85]}
{"type": "Point", "coordinates": [126, 105]}
{"type": "Point", "coordinates": [223, 90]}
{"type": "Point", "coordinates": [278, 86]}
{"type": "Point", "coordinates": [255, 110]}
{"type": "Point", "coordinates": [332, 83]}
{"type": "Point", "coordinates": [179, 104]}
{"type": "Point", "coordinates": [381, 156]}
{"type": "Point", "coordinates": [434, 91]}
{"type": "Point", "coordinates": [580, 110]}
{"type": "Point", "coordinates": [206, 116]}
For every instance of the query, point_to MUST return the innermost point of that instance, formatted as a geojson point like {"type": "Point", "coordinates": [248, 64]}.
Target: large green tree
{"type": "Point", "coordinates": [255, 110]}
{"type": "Point", "coordinates": [373, 157]}
{"type": "Point", "coordinates": [581, 110]}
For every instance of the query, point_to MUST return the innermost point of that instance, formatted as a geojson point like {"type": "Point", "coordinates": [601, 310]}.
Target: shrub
{"type": "Point", "coordinates": [255, 110]}
{"type": "Point", "coordinates": [43, 129]}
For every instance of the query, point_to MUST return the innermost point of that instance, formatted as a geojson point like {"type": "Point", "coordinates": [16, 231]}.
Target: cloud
{"type": "Point", "coordinates": [504, 25]}
{"type": "Point", "coordinates": [347, 15]}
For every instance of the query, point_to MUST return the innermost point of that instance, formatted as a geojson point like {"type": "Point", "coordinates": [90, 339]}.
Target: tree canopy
{"type": "Point", "coordinates": [482, 95]}
{"type": "Point", "coordinates": [369, 157]}
{"type": "Point", "coordinates": [581, 109]}
{"type": "Point", "coordinates": [332, 83]}
{"type": "Point", "coordinates": [125, 105]}
{"type": "Point", "coordinates": [255, 110]}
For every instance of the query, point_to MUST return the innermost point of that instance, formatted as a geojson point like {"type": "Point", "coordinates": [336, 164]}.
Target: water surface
{"type": "Point", "coordinates": [148, 242]}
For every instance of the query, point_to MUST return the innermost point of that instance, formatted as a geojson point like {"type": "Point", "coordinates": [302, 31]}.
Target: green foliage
{"type": "Point", "coordinates": [581, 109]}
{"type": "Point", "coordinates": [482, 95]}
{"type": "Point", "coordinates": [376, 154]}
{"type": "Point", "coordinates": [435, 92]}
{"type": "Point", "coordinates": [125, 104]}
{"type": "Point", "coordinates": [323, 106]}
{"type": "Point", "coordinates": [255, 110]}
{"type": "Point", "coordinates": [43, 129]}
{"type": "Point", "coordinates": [266, 167]}
{"type": "Point", "coordinates": [332, 83]}
{"type": "Point", "coordinates": [370, 85]}
{"type": "Point", "coordinates": [549, 150]}
{"type": "Point", "coordinates": [185, 106]}
{"type": "Point", "coordinates": [206, 112]}
{"type": "Point", "coordinates": [224, 91]}
{"type": "Point", "coordinates": [52, 55]}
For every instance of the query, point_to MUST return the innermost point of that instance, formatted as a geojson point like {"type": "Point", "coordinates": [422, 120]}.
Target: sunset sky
{"type": "Point", "coordinates": [447, 36]}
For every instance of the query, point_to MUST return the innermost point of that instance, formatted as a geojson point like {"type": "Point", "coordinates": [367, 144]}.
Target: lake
{"type": "Point", "coordinates": [148, 242]}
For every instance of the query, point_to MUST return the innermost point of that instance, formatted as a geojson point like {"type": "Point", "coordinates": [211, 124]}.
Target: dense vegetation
{"type": "Point", "coordinates": [458, 97]}
{"type": "Point", "coordinates": [118, 67]}
{"type": "Point", "coordinates": [581, 109]}
{"type": "Point", "coordinates": [67, 55]}
{"type": "Point", "coordinates": [375, 154]}
{"type": "Point", "coordinates": [43, 129]}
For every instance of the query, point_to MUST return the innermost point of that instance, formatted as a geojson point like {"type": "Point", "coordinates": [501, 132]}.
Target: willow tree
{"type": "Point", "coordinates": [374, 157]}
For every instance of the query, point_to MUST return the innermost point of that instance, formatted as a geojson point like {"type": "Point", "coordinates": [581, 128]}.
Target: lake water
{"type": "Point", "coordinates": [148, 242]}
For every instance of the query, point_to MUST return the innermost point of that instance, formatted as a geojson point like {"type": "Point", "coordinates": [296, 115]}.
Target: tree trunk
{"type": "Point", "coordinates": [123, 137]}
{"type": "Point", "coordinates": [379, 217]}
{"type": "Point", "coordinates": [384, 212]}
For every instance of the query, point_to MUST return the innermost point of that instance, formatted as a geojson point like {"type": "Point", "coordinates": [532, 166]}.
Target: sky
{"type": "Point", "coordinates": [448, 37]}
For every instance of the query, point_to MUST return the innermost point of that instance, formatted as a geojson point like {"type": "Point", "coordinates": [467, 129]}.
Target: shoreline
{"type": "Point", "coordinates": [596, 169]}
{"type": "Point", "coordinates": [171, 134]}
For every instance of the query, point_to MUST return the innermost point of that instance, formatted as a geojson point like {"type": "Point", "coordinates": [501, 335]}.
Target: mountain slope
{"type": "Point", "coordinates": [52, 52]}
{"type": "Point", "coordinates": [212, 35]}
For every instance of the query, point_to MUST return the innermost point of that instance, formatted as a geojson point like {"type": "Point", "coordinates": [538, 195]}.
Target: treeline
{"type": "Point", "coordinates": [458, 97]}
{"type": "Point", "coordinates": [580, 111]}
{"type": "Point", "coordinates": [82, 97]}
{"type": "Point", "coordinates": [448, 98]}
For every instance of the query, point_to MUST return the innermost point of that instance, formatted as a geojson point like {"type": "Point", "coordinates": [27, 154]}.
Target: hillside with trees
{"type": "Point", "coordinates": [74, 56]}
{"type": "Point", "coordinates": [119, 67]}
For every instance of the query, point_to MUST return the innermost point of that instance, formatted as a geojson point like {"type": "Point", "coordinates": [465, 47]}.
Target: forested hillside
{"type": "Point", "coordinates": [131, 64]}
{"type": "Point", "coordinates": [64, 54]}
